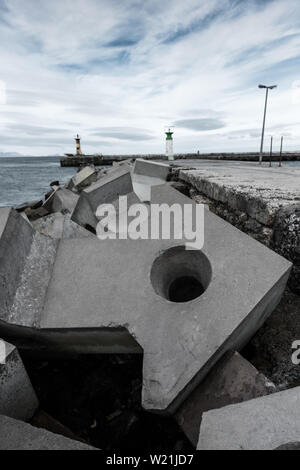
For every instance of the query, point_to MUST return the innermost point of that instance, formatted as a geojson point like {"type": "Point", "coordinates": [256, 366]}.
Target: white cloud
{"type": "Point", "coordinates": [79, 65]}
{"type": "Point", "coordinates": [2, 93]}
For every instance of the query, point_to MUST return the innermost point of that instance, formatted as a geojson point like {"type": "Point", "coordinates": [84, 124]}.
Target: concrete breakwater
{"type": "Point", "coordinates": [65, 291]}
{"type": "Point", "coordinates": [81, 160]}
{"type": "Point", "coordinates": [242, 156]}
{"type": "Point", "coordinates": [103, 160]}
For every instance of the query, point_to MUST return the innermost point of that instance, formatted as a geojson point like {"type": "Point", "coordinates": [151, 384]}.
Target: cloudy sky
{"type": "Point", "coordinates": [119, 71]}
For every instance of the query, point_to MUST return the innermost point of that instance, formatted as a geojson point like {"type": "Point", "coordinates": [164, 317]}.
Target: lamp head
{"type": "Point", "coordinates": [269, 87]}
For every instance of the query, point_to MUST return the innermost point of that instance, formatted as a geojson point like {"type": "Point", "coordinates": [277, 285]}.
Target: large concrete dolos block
{"type": "Point", "coordinates": [26, 259]}
{"type": "Point", "coordinates": [151, 169]}
{"type": "Point", "coordinates": [116, 183]}
{"type": "Point", "coordinates": [232, 380]}
{"type": "Point", "coordinates": [16, 435]}
{"type": "Point", "coordinates": [147, 174]}
{"type": "Point", "coordinates": [262, 424]}
{"type": "Point", "coordinates": [17, 397]}
{"type": "Point", "coordinates": [61, 200]}
{"type": "Point", "coordinates": [110, 287]}
{"type": "Point", "coordinates": [83, 178]}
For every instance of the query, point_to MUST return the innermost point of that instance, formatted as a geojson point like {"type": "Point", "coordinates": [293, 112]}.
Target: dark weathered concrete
{"type": "Point", "coordinates": [232, 380]}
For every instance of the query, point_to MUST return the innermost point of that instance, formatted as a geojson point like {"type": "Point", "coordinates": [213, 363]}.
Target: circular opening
{"type": "Point", "coordinates": [180, 275]}
{"type": "Point", "coordinates": [184, 289]}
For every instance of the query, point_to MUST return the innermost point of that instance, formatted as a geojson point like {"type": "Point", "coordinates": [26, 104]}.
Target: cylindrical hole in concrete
{"type": "Point", "coordinates": [181, 275]}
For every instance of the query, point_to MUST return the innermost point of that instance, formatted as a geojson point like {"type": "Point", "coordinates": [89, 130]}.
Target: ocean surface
{"type": "Point", "coordinates": [25, 179]}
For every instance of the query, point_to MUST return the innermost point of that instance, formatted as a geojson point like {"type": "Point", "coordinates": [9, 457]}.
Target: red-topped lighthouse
{"type": "Point", "coordinates": [78, 145]}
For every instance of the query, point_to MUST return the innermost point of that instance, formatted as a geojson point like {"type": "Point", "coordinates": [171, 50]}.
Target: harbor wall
{"type": "Point", "coordinates": [81, 160]}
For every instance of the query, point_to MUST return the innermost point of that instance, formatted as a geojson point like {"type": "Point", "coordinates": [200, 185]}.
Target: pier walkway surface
{"type": "Point", "coordinates": [261, 201]}
{"type": "Point", "coordinates": [272, 188]}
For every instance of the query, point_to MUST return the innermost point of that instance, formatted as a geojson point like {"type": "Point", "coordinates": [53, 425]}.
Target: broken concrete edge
{"type": "Point", "coordinates": [17, 435]}
{"type": "Point", "coordinates": [264, 423]}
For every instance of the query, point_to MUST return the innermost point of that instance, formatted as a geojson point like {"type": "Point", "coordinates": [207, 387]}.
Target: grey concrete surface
{"type": "Point", "coordinates": [17, 397]}
{"type": "Point", "coordinates": [25, 269]}
{"type": "Point", "coordinates": [232, 380]}
{"type": "Point", "coordinates": [60, 225]}
{"type": "Point", "coordinates": [258, 190]}
{"type": "Point", "coordinates": [116, 183]}
{"type": "Point", "coordinates": [16, 435]}
{"type": "Point", "coordinates": [109, 223]}
{"type": "Point", "coordinates": [147, 174]}
{"type": "Point", "coordinates": [106, 285]}
{"type": "Point", "coordinates": [64, 200]}
{"type": "Point", "coordinates": [83, 178]}
{"type": "Point", "coordinates": [265, 423]}
{"type": "Point", "coordinates": [15, 244]}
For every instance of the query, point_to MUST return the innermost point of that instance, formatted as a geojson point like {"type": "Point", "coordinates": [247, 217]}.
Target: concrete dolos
{"type": "Point", "coordinates": [116, 183]}
{"type": "Point", "coordinates": [114, 295]}
{"type": "Point", "coordinates": [61, 200]}
{"type": "Point", "coordinates": [265, 423]}
{"type": "Point", "coordinates": [82, 179]}
{"type": "Point", "coordinates": [147, 174]}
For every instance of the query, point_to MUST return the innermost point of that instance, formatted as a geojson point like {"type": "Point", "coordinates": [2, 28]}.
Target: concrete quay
{"type": "Point", "coordinates": [98, 160]}
{"type": "Point", "coordinates": [263, 202]}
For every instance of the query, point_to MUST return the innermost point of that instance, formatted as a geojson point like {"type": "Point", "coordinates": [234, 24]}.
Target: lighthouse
{"type": "Point", "coordinates": [78, 146]}
{"type": "Point", "coordinates": [169, 144]}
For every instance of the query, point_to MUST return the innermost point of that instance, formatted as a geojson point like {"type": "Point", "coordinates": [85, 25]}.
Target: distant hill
{"type": "Point", "coordinates": [10, 154]}
{"type": "Point", "coordinates": [16, 154]}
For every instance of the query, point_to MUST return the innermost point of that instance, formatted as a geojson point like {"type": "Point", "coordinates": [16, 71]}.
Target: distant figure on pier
{"type": "Point", "coordinates": [78, 145]}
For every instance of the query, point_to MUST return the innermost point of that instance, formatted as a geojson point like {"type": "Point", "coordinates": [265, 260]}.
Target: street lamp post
{"type": "Point", "coordinates": [264, 121]}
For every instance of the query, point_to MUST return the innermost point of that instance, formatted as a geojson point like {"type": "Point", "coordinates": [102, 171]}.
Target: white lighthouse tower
{"type": "Point", "coordinates": [169, 144]}
{"type": "Point", "coordinates": [78, 145]}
